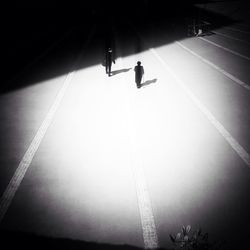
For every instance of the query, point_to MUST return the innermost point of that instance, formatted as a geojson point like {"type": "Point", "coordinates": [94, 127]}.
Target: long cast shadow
{"type": "Point", "coordinates": [115, 72]}
{"type": "Point", "coordinates": [148, 82]}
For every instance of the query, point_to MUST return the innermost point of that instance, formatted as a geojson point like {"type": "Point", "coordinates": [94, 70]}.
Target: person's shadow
{"type": "Point", "coordinates": [148, 82]}
{"type": "Point", "coordinates": [115, 72]}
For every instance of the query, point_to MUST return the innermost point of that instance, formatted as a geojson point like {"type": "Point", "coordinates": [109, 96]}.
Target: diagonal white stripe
{"type": "Point", "coordinates": [18, 176]}
{"type": "Point", "coordinates": [242, 153]}
{"type": "Point", "coordinates": [238, 30]}
{"type": "Point", "coordinates": [23, 166]}
{"type": "Point", "coordinates": [231, 37]}
{"type": "Point", "coordinates": [226, 49]}
{"type": "Point", "coordinates": [235, 79]}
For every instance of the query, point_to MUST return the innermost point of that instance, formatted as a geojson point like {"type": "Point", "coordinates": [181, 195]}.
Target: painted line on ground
{"type": "Point", "coordinates": [238, 30]}
{"type": "Point", "coordinates": [233, 78]}
{"type": "Point", "coordinates": [242, 153]}
{"type": "Point", "coordinates": [243, 25]}
{"type": "Point", "coordinates": [149, 232]}
{"type": "Point", "coordinates": [226, 49]}
{"type": "Point", "coordinates": [23, 166]}
{"type": "Point", "coordinates": [146, 212]}
{"type": "Point", "coordinates": [18, 176]}
{"type": "Point", "coordinates": [231, 37]}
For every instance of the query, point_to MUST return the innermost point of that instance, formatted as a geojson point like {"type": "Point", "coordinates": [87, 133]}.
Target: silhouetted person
{"type": "Point", "coordinates": [139, 72]}
{"type": "Point", "coordinates": [109, 60]}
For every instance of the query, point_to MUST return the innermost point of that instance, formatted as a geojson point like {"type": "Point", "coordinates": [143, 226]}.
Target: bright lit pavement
{"type": "Point", "coordinates": [81, 181]}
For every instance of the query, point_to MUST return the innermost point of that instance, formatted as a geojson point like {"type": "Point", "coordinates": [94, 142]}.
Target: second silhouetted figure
{"type": "Point", "coordinates": [109, 60]}
{"type": "Point", "coordinates": [139, 72]}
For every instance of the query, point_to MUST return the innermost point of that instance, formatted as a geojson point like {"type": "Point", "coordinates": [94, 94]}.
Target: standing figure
{"type": "Point", "coordinates": [109, 60]}
{"type": "Point", "coordinates": [139, 72]}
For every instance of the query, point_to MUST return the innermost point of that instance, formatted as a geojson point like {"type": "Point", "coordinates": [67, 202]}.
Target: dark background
{"type": "Point", "coordinates": [31, 30]}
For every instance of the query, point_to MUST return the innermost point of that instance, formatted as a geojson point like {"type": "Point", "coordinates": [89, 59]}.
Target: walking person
{"type": "Point", "coordinates": [109, 60]}
{"type": "Point", "coordinates": [139, 72]}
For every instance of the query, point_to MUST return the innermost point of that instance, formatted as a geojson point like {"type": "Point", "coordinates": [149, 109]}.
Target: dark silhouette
{"type": "Point", "coordinates": [115, 72]}
{"type": "Point", "coordinates": [27, 44]}
{"type": "Point", "coordinates": [109, 60]}
{"type": "Point", "coordinates": [148, 82]}
{"type": "Point", "coordinates": [139, 72]}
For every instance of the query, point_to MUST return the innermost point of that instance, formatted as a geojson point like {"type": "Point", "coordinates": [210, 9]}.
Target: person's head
{"type": "Point", "coordinates": [138, 63]}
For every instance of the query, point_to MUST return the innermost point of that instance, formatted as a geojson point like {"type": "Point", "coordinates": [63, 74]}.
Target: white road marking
{"type": "Point", "coordinates": [242, 25]}
{"type": "Point", "coordinates": [231, 37]}
{"type": "Point", "coordinates": [242, 153]}
{"type": "Point", "coordinates": [226, 49]}
{"type": "Point", "coordinates": [18, 176]}
{"type": "Point", "coordinates": [23, 166]}
{"type": "Point", "coordinates": [235, 79]}
{"type": "Point", "coordinates": [150, 237]}
{"type": "Point", "coordinates": [238, 30]}
{"type": "Point", "coordinates": [146, 213]}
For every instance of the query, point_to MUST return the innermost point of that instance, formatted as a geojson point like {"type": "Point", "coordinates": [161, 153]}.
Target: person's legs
{"type": "Point", "coordinates": [106, 66]}
{"type": "Point", "coordinates": [138, 79]}
{"type": "Point", "coordinates": [109, 68]}
{"type": "Point", "coordinates": [138, 83]}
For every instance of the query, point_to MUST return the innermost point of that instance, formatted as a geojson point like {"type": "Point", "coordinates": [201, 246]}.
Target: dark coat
{"type": "Point", "coordinates": [139, 72]}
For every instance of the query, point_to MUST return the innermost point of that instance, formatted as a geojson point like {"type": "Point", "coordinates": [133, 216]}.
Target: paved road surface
{"type": "Point", "coordinates": [120, 165]}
